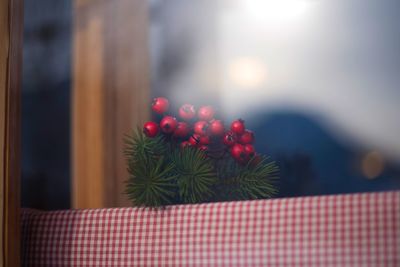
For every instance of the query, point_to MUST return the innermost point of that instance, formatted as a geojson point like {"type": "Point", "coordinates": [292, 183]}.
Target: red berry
{"type": "Point", "coordinates": [150, 129]}
{"type": "Point", "coordinates": [182, 129]}
{"type": "Point", "coordinates": [185, 144]}
{"type": "Point", "coordinates": [194, 140]}
{"type": "Point", "coordinates": [238, 152]}
{"type": "Point", "coordinates": [201, 127]}
{"type": "Point", "coordinates": [229, 139]}
{"type": "Point", "coordinates": [204, 140]}
{"type": "Point", "coordinates": [168, 124]}
{"type": "Point", "coordinates": [187, 112]}
{"type": "Point", "coordinates": [237, 126]}
{"type": "Point", "coordinates": [247, 137]}
{"type": "Point", "coordinates": [249, 150]}
{"type": "Point", "coordinates": [217, 128]}
{"type": "Point", "coordinates": [160, 105]}
{"type": "Point", "coordinates": [206, 113]}
{"type": "Point", "coordinates": [203, 148]}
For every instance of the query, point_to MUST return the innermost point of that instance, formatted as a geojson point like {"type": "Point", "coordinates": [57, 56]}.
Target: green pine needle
{"type": "Point", "coordinates": [153, 185]}
{"type": "Point", "coordinates": [253, 181]}
{"type": "Point", "coordinates": [259, 181]}
{"type": "Point", "coordinates": [162, 174]}
{"type": "Point", "coordinates": [195, 175]}
{"type": "Point", "coordinates": [152, 182]}
{"type": "Point", "coordinates": [139, 147]}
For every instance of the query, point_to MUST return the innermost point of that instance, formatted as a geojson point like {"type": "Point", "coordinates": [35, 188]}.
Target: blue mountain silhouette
{"type": "Point", "coordinates": [311, 160]}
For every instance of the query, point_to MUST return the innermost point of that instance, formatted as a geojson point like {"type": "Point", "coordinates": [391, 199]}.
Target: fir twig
{"type": "Point", "coordinates": [162, 174]}
{"type": "Point", "coordinates": [195, 175]}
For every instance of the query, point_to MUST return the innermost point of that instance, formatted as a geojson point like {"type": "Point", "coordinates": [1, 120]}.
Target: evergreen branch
{"type": "Point", "coordinates": [257, 180]}
{"type": "Point", "coordinates": [162, 174]}
{"type": "Point", "coordinates": [151, 182]}
{"type": "Point", "coordinates": [152, 185]}
{"type": "Point", "coordinates": [252, 181]}
{"type": "Point", "coordinates": [140, 147]}
{"type": "Point", "coordinates": [195, 175]}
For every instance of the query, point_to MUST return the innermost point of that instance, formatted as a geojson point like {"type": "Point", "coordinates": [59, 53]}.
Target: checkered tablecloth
{"type": "Point", "coordinates": [343, 230]}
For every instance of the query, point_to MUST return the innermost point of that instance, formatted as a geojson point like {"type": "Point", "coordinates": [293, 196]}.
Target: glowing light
{"type": "Point", "coordinates": [276, 11]}
{"type": "Point", "coordinates": [372, 165]}
{"type": "Point", "coordinates": [247, 73]}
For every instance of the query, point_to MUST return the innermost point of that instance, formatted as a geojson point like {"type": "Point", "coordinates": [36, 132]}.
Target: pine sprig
{"type": "Point", "coordinates": [152, 185]}
{"type": "Point", "coordinates": [161, 173]}
{"type": "Point", "coordinates": [195, 175]}
{"type": "Point", "coordinates": [152, 182]}
{"type": "Point", "coordinates": [257, 180]}
{"type": "Point", "coordinates": [252, 181]}
{"type": "Point", "coordinates": [139, 147]}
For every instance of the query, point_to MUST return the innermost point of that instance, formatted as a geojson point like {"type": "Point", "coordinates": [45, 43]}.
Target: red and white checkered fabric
{"type": "Point", "coordinates": [343, 230]}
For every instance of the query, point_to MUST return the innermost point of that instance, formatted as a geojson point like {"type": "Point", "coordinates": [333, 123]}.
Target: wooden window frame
{"type": "Point", "coordinates": [11, 31]}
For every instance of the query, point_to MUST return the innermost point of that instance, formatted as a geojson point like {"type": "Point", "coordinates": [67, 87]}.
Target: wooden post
{"type": "Point", "coordinates": [110, 95]}
{"type": "Point", "coordinates": [11, 26]}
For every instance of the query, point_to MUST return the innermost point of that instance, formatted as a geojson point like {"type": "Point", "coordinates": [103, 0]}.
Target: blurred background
{"type": "Point", "coordinates": [46, 90]}
{"type": "Point", "coordinates": [318, 82]}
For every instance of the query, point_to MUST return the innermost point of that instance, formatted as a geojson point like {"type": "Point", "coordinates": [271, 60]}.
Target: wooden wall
{"type": "Point", "coordinates": [11, 25]}
{"type": "Point", "coordinates": [110, 95]}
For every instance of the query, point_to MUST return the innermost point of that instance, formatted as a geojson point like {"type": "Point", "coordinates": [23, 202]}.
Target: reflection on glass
{"type": "Point", "coordinates": [247, 73]}
{"type": "Point", "coordinates": [318, 81]}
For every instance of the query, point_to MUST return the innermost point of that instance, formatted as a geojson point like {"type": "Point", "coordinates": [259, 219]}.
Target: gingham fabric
{"type": "Point", "coordinates": [343, 230]}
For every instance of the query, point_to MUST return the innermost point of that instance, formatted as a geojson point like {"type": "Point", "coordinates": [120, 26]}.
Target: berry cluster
{"type": "Point", "coordinates": [202, 130]}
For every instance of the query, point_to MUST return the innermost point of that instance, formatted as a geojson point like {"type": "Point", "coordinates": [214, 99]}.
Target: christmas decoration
{"type": "Point", "coordinates": [151, 129]}
{"type": "Point", "coordinates": [247, 137]}
{"type": "Point", "coordinates": [187, 112]}
{"type": "Point", "coordinates": [182, 130]}
{"type": "Point", "coordinates": [217, 128]}
{"type": "Point", "coordinates": [237, 126]}
{"type": "Point", "coordinates": [201, 127]}
{"type": "Point", "coordinates": [238, 153]}
{"type": "Point", "coordinates": [194, 140]}
{"type": "Point", "coordinates": [176, 162]}
{"type": "Point", "coordinates": [206, 113]}
{"type": "Point", "coordinates": [160, 105]}
{"type": "Point", "coordinates": [168, 124]}
{"type": "Point", "coordinates": [249, 150]}
{"type": "Point", "coordinates": [229, 139]}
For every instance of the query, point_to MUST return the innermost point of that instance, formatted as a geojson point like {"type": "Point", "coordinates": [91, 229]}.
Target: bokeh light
{"type": "Point", "coordinates": [372, 165]}
{"type": "Point", "coordinates": [247, 72]}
